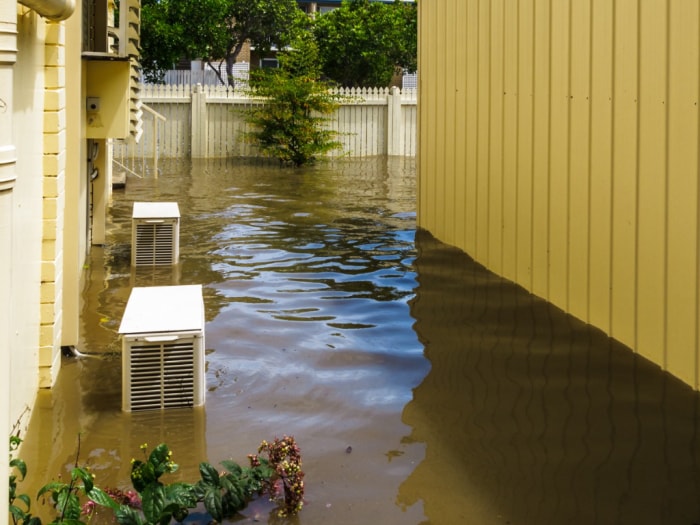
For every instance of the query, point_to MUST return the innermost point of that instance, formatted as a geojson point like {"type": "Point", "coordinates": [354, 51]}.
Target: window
{"type": "Point", "coordinates": [269, 63]}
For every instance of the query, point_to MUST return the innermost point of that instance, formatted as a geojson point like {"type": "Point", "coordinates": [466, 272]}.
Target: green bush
{"type": "Point", "coordinates": [290, 123]}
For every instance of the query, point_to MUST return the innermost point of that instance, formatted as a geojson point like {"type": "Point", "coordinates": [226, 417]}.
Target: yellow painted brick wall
{"type": "Point", "coordinates": [54, 203]}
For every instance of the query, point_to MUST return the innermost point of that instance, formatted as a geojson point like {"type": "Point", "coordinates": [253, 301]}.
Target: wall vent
{"type": "Point", "coordinates": [163, 348]}
{"type": "Point", "coordinates": [155, 236]}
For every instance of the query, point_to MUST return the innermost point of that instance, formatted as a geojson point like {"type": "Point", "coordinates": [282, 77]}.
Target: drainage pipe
{"type": "Point", "coordinates": [54, 10]}
{"type": "Point", "coordinates": [8, 161]}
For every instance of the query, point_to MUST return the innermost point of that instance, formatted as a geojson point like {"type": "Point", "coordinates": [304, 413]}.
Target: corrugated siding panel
{"type": "Point", "coordinates": [447, 105]}
{"type": "Point", "coordinates": [579, 158]}
{"type": "Point", "coordinates": [524, 139]}
{"type": "Point", "coordinates": [601, 163]}
{"type": "Point", "coordinates": [541, 138]}
{"type": "Point", "coordinates": [472, 122]}
{"type": "Point", "coordinates": [682, 271]}
{"type": "Point", "coordinates": [559, 196]}
{"type": "Point", "coordinates": [483, 136]}
{"type": "Point", "coordinates": [651, 260]}
{"type": "Point", "coordinates": [428, 147]}
{"type": "Point", "coordinates": [494, 176]}
{"type": "Point", "coordinates": [625, 113]}
{"type": "Point", "coordinates": [510, 142]}
{"type": "Point", "coordinates": [559, 147]}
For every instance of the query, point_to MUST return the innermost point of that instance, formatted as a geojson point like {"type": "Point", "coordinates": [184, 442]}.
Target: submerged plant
{"type": "Point", "coordinates": [64, 497]}
{"type": "Point", "coordinates": [284, 457]}
{"type": "Point", "coordinates": [153, 502]}
{"type": "Point", "coordinates": [159, 503]}
{"type": "Point", "coordinates": [19, 515]}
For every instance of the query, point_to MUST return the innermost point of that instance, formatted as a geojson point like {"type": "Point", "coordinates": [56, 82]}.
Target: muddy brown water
{"type": "Point", "coordinates": [420, 387]}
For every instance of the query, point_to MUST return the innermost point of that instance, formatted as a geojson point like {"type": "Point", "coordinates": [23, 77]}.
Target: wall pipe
{"type": "Point", "coordinates": [8, 161]}
{"type": "Point", "coordinates": [54, 10]}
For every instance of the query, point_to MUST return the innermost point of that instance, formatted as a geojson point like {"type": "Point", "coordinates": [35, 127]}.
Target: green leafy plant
{"type": "Point", "coordinates": [160, 503]}
{"type": "Point", "coordinates": [225, 494]}
{"type": "Point", "coordinates": [290, 123]}
{"type": "Point", "coordinates": [364, 43]}
{"type": "Point", "coordinates": [153, 502]}
{"type": "Point", "coordinates": [222, 494]}
{"type": "Point", "coordinates": [19, 515]}
{"type": "Point", "coordinates": [129, 498]}
{"type": "Point", "coordinates": [64, 497]}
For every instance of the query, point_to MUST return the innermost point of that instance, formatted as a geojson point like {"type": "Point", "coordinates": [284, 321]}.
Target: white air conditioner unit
{"type": "Point", "coordinates": [163, 348]}
{"type": "Point", "coordinates": [155, 233]}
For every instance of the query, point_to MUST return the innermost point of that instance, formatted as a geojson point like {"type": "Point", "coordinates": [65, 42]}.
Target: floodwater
{"type": "Point", "coordinates": [421, 388]}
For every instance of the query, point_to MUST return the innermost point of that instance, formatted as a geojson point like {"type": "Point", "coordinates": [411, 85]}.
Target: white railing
{"type": "Point", "coordinates": [208, 121]}
{"type": "Point", "coordinates": [125, 152]}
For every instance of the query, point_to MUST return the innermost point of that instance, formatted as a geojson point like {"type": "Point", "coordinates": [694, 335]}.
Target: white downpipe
{"type": "Point", "coordinates": [8, 174]}
{"type": "Point", "coordinates": [54, 10]}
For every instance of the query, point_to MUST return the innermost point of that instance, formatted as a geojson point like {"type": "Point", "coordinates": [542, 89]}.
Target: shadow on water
{"type": "Point", "coordinates": [461, 398]}
{"type": "Point", "coordinates": [532, 417]}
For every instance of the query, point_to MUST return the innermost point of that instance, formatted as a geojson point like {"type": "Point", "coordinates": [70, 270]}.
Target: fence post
{"type": "Point", "coordinates": [199, 122]}
{"type": "Point", "coordinates": [394, 121]}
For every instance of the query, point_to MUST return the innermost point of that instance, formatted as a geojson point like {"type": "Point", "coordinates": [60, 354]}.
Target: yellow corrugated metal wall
{"type": "Point", "coordinates": [559, 148]}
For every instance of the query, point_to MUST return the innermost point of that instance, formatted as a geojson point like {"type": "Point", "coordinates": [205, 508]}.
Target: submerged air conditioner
{"type": "Point", "coordinates": [163, 348]}
{"type": "Point", "coordinates": [155, 234]}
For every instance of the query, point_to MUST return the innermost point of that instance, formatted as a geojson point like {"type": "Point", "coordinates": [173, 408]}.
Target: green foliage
{"type": "Point", "coordinates": [160, 503]}
{"type": "Point", "coordinates": [160, 40]}
{"type": "Point", "coordinates": [64, 497]}
{"type": "Point", "coordinates": [20, 514]}
{"type": "Point", "coordinates": [157, 503]}
{"type": "Point", "coordinates": [225, 494]}
{"type": "Point", "coordinates": [213, 30]}
{"type": "Point", "coordinates": [290, 124]}
{"type": "Point", "coordinates": [364, 43]}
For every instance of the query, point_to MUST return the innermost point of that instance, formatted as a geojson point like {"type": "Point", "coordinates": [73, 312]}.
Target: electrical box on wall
{"type": "Point", "coordinates": [107, 104]}
{"type": "Point", "coordinates": [93, 104]}
{"type": "Point", "coordinates": [163, 348]}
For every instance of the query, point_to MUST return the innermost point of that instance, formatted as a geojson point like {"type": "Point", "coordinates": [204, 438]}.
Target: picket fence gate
{"type": "Point", "coordinates": [208, 122]}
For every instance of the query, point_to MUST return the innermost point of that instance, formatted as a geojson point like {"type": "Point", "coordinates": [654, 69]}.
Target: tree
{"type": "Point", "coordinates": [214, 30]}
{"type": "Point", "coordinates": [289, 125]}
{"type": "Point", "coordinates": [160, 40]}
{"type": "Point", "coordinates": [363, 43]}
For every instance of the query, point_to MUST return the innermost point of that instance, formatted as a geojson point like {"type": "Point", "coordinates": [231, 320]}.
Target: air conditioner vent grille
{"type": "Point", "coordinates": [155, 234]}
{"type": "Point", "coordinates": [163, 363]}
{"type": "Point", "coordinates": [162, 375]}
{"type": "Point", "coordinates": [154, 243]}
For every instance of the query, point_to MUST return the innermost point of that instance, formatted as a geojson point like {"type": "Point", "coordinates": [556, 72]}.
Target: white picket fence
{"type": "Point", "coordinates": [207, 122]}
